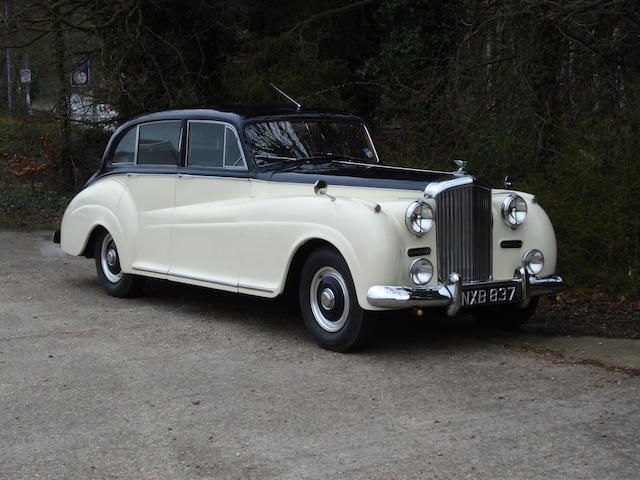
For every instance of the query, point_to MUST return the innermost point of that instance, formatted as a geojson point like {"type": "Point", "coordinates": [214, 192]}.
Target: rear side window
{"type": "Point", "coordinates": [213, 144]}
{"type": "Point", "coordinates": [159, 143]}
{"type": "Point", "coordinates": [126, 148]}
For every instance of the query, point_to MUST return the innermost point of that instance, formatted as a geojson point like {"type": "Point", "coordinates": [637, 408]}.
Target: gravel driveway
{"type": "Point", "coordinates": [187, 383]}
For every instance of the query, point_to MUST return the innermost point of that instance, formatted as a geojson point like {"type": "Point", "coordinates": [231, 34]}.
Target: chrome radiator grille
{"type": "Point", "coordinates": [463, 225]}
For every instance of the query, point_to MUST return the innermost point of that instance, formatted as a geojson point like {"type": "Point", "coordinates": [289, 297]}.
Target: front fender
{"type": "Point", "coordinates": [271, 231]}
{"type": "Point", "coordinates": [536, 232]}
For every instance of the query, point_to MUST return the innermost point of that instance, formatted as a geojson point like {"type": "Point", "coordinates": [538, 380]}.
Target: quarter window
{"type": "Point", "coordinates": [232, 155]}
{"type": "Point", "coordinates": [159, 143]}
{"type": "Point", "coordinates": [213, 144]}
{"type": "Point", "coordinates": [126, 148]}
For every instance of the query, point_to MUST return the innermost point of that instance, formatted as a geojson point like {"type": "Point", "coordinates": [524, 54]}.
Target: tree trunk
{"type": "Point", "coordinates": [65, 162]}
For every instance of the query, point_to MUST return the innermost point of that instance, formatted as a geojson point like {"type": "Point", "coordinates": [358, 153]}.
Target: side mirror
{"type": "Point", "coordinates": [320, 188]}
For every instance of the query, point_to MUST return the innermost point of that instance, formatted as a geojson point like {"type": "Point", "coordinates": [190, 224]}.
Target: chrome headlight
{"type": "Point", "coordinates": [533, 261]}
{"type": "Point", "coordinates": [419, 218]}
{"type": "Point", "coordinates": [421, 271]}
{"type": "Point", "coordinates": [514, 210]}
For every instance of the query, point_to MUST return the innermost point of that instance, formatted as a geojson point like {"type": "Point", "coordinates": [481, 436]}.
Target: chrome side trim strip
{"type": "Point", "coordinates": [257, 289]}
{"type": "Point", "coordinates": [202, 279]}
{"type": "Point", "coordinates": [218, 282]}
{"type": "Point", "coordinates": [150, 270]}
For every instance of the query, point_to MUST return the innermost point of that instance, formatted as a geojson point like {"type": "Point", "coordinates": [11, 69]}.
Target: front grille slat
{"type": "Point", "coordinates": [464, 222]}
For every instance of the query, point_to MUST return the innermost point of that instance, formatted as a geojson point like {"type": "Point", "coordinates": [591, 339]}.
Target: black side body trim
{"type": "Point", "coordinates": [511, 244]}
{"type": "Point", "coordinates": [419, 252]}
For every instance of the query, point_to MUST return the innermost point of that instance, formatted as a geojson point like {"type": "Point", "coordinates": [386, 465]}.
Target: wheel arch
{"type": "Point", "coordinates": [89, 249]}
{"type": "Point", "coordinates": [297, 261]}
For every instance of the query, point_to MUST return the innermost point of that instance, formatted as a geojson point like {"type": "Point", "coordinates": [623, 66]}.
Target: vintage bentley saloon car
{"type": "Point", "coordinates": [259, 200]}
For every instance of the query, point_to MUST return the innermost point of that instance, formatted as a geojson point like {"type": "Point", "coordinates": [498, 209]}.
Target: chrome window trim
{"type": "Point", "coordinates": [375, 152]}
{"type": "Point", "coordinates": [135, 151]}
{"type": "Point", "coordinates": [305, 120]}
{"type": "Point", "coordinates": [202, 175]}
{"type": "Point", "coordinates": [224, 154]}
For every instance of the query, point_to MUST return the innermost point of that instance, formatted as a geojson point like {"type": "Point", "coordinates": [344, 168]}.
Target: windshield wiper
{"type": "Point", "coordinates": [318, 159]}
{"type": "Point", "coordinates": [340, 157]}
{"type": "Point", "coordinates": [280, 164]}
{"type": "Point", "coordinates": [273, 158]}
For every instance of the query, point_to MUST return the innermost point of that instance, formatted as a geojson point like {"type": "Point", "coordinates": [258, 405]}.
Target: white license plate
{"type": "Point", "coordinates": [489, 295]}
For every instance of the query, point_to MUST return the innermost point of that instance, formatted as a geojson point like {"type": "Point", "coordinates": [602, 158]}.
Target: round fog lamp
{"type": "Point", "coordinates": [533, 261]}
{"type": "Point", "coordinates": [421, 271]}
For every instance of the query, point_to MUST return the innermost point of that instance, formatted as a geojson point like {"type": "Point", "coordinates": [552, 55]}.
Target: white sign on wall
{"type": "Point", "coordinates": [25, 75]}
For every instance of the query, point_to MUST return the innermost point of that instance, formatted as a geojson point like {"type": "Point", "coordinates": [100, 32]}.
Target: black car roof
{"type": "Point", "coordinates": [237, 115]}
{"type": "Point", "coordinates": [242, 114]}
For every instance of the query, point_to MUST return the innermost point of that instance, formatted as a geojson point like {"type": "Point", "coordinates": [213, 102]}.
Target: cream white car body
{"type": "Point", "coordinates": [247, 243]}
{"type": "Point", "coordinates": [244, 230]}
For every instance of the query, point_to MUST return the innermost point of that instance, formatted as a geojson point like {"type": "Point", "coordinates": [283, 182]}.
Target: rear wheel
{"type": "Point", "coordinates": [505, 317]}
{"type": "Point", "coordinates": [328, 302]}
{"type": "Point", "coordinates": [113, 279]}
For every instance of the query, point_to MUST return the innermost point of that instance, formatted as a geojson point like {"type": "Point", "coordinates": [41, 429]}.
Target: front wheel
{"type": "Point", "coordinates": [505, 317]}
{"type": "Point", "coordinates": [113, 279]}
{"type": "Point", "coordinates": [328, 302]}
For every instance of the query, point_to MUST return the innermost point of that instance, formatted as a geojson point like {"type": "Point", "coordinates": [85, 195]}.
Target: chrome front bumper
{"type": "Point", "coordinates": [450, 295]}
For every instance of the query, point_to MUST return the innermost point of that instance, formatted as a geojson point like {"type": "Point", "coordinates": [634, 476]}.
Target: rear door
{"type": "Point", "coordinates": [151, 185]}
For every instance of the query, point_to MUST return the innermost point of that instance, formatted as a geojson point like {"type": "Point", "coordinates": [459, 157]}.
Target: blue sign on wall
{"type": "Point", "coordinates": [81, 74]}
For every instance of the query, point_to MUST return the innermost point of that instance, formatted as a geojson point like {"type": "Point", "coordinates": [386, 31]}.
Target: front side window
{"type": "Point", "coordinates": [213, 144]}
{"type": "Point", "coordinates": [125, 151]}
{"type": "Point", "coordinates": [159, 143]}
{"type": "Point", "coordinates": [310, 139]}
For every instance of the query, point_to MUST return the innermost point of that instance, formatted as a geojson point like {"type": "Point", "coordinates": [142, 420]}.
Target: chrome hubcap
{"type": "Point", "coordinates": [109, 261]}
{"type": "Point", "coordinates": [329, 299]}
{"type": "Point", "coordinates": [111, 257]}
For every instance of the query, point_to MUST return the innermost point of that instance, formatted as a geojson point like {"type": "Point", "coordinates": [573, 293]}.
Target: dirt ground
{"type": "Point", "coordinates": [577, 315]}
{"type": "Point", "coordinates": [187, 383]}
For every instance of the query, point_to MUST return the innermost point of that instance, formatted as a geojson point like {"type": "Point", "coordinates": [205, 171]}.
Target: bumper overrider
{"type": "Point", "coordinates": [450, 294]}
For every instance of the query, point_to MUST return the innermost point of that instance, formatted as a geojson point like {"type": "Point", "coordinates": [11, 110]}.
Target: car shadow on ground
{"type": "Point", "coordinates": [281, 316]}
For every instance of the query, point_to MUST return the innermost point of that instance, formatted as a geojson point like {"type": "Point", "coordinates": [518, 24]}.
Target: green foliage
{"type": "Point", "coordinates": [86, 148]}
{"type": "Point", "coordinates": [591, 191]}
{"type": "Point", "coordinates": [20, 135]}
{"type": "Point", "coordinates": [24, 207]}
{"type": "Point", "coordinates": [247, 78]}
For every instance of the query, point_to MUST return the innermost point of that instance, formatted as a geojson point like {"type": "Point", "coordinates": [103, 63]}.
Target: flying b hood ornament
{"type": "Point", "coordinates": [461, 165]}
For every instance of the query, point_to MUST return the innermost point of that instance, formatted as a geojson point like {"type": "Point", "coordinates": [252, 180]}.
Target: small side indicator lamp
{"type": "Point", "coordinates": [418, 312]}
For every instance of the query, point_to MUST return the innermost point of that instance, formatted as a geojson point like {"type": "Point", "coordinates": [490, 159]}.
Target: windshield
{"type": "Point", "coordinates": [284, 140]}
